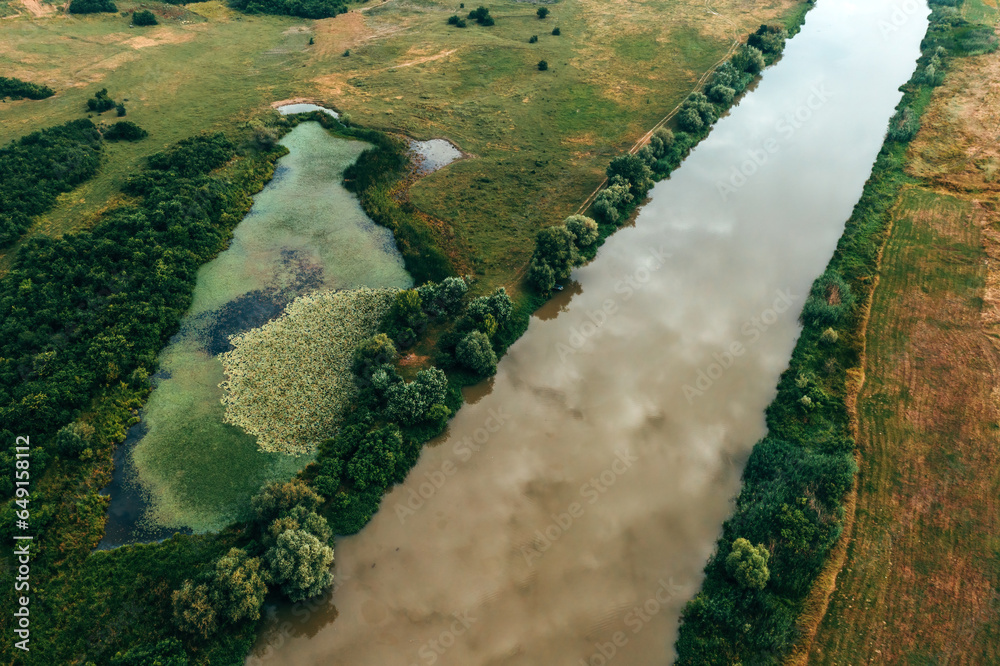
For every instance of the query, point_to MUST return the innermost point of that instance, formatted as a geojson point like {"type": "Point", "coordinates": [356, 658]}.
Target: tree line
{"type": "Point", "coordinates": [18, 89]}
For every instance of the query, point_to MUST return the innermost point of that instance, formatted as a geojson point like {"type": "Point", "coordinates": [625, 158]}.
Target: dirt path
{"type": "Point", "coordinates": [37, 9]}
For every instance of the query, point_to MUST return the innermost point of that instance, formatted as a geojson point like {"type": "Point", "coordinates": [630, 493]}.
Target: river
{"type": "Point", "coordinates": [580, 493]}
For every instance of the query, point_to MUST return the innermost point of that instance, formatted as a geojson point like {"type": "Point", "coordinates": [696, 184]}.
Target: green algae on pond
{"type": "Point", "coordinates": [304, 232]}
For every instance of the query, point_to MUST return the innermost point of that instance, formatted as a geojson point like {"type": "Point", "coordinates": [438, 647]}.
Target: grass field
{"type": "Point", "coordinates": [921, 583]}
{"type": "Point", "coordinates": [539, 141]}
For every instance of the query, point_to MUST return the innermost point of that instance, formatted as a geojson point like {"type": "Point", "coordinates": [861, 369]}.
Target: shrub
{"type": "Point", "coordinates": [584, 230]}
{"type": "Point", "coordinates": [829, 301]}
{"type": "Point", "coordinates": [556, 32]}
{"type": "Point", "coordinates": [542, 65]}
{"type": "Point", "coordinates": [481, 15]}
{"type": "Point", "coordinates": [903, 126]}
{"type": "Point", "coordinates": [144, 17]}
{"type": "Point", "coordinates": [120, 109]}
{"type": "Point", "coordinates": [748, 564]}
{"type": "Point", "coordinates": [829, 337]}
{"type": "Point", "coordinates": [542, 12]}
{"type": "Point", "coordinates": [100, 102]}
{"type": "Point", "coordinates": [476, 353]}
{"type": "Point", "coordinates": [533, 39]}
{"type": "Point", "coordinates": [91, 6]}
{"type": "Point", "coordinates": [124, 130]}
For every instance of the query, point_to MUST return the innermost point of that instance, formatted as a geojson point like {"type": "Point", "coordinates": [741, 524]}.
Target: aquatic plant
{"type": "Point", "coordinates": [290, 380]}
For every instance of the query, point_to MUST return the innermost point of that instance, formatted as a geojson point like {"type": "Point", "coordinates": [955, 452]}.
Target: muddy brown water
{"type": "Point", "coordinates": [567, 514]}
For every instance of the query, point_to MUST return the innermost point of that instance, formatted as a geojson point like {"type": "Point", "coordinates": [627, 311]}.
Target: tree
{"type": "Point", "coordinates": [541, 276]}
{"type": "Point", "coordinates": [555, 246]}
{"type": "Point", "coordinates": [542, 12]}
{"type": "Point", "coordinates": [748, 59]}
{"type": "Point", "coordinates": [475, 352]}
{"type": "Point", "coordinates": [542, 65]}
{"type": "Point", "coordinates": [120, 109]}
{"type": "Point", "coordinates": [168, 652]}
{"type": "Point", "coordinates": [408, 403]}
{"type": "Point", "coordinates": [533, 39]}
{"type": "Point", "coordinates": [583, 228]}
{"type": "Point", "coordinates": [830, 300]}
{"type": "Point", "coordinates": [661, 141]}
{"type": "Point", "coordinates": [613, 199]}
{"type": "Point", "coordinates": [748, 564]}
{"type": "Point", "coordinates": [556, 32]}
{"type": "Point", "coordinates": [238, 588]}
{"type": "Point", "coordinates": [374, 463]}
{"type": "Point", "coordinates": [633, 171]}
{"type": "Point", "coordinates": [769, 39]}
{"type": "Point", "coordinates": [723, 95]}
{"type": "Point", "coordinates": [73, 439]}
{"type": "Point", "coordinates": [300, 564]}
{"type": "Point", "coordinates": [372, 354]}
{"type": "Point", "coordinates": [278, 499]}
{"type": "Point", "coordinates": [443, 299]}
{"type": "Point", "coordinates": [690, 121]}
{"type": "Point", "coordinates": [144, 17]}
{"type": "Point", "coordinates": [497, 305]}
{"type": "Point", "coordinates": [194, 611]}
{"type": "Point", "coordinates": [124, 130]}
{"type": "Point", "coordinates": [482, 16]}
{"type": "Point", "coordinates": [101, 101]}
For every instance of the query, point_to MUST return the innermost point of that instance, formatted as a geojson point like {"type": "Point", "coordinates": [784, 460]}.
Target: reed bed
{"type": "Point", "coordinates": [289, 381]}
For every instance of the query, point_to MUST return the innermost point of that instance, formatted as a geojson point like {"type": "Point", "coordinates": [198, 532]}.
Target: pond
{"type": "Point", "coordinates": [181, 467]}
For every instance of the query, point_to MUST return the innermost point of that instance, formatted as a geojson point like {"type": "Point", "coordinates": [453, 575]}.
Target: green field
{"type": "Point", "coordinates": [539, 141]}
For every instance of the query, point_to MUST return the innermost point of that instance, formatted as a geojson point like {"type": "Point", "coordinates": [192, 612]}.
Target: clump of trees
{"type": "Point", "coordinates": [91, 6]}
{"type": "Point", "coordinates": [481, 15]}
{"type": "Point", "coordinates": [18, 89]}
{"type": "Point", "coordinates": [36, 168]}
{"type": "Point", "coordinates": [769, 40]}
{"type": "Point", "coordinates": [557, 250]}
{"type": "Point", "coordinates": [230, 592]}
{"type": "Point", "coordinates": [312, 9]}
{"type": "Point", "coordinates": [100, 102]}
{"type": "Point", "coordinates": [144, 17]}
{"type": "Point", "coordinates": [457, 21]}
{"type": "Point", "coordinates": [697, 114]}
{"type": "Point", "coordinates": [124, 130]}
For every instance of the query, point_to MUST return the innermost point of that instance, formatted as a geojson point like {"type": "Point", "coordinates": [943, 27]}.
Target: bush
{"type": "Point", "coordinates": [91, 6]}
{"type": "Point", "coordinates": [533, 39]}
{"type": "Point", "coordinates": [73, 439]}
{"type": "Point", "coordinates": [18, 89]}
{"type": "Point", "coordinates": [542, 65]}
{"type": "Point", "coordinates": [100, 102]}
{"type": "Point", "coordinates": [542, 12]}
{"type": "Point", "coordinates": [584, 230]}
{"type": "Point", "coordinates": [481, 15]}
{"type": "Point", "coordinates": [456, 21]}
{"type": "Point", "coordinates": [476, 353]}
{"type": "Point", "coordinates": [556, 32]}
{"type": "Point", "coordinates": [829, 301]}
{"type": "Point", "coordinates": [144, 17]}
{"type": "Point", "coordinates": [124, 130]}
{"type": "Point", "coordinates": [904, 126]}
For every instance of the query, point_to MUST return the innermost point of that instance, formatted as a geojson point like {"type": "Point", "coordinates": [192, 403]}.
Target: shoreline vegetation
{"type": "Point", "coordinates": [114, 294]}
{"type": "Point", "coordinates": [800, 482]}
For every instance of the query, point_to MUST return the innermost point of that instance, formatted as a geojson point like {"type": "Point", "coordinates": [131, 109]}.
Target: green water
{"type": "Point", "coordinates": [304, 232]}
